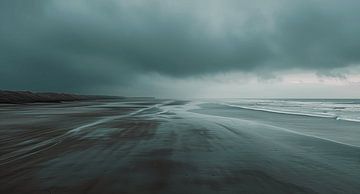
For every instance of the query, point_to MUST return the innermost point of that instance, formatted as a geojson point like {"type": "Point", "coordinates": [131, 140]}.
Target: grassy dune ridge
{"type": "Point", "coordinates": [19, 97]}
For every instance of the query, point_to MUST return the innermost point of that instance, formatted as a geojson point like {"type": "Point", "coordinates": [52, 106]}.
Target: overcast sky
{"type": "Point", "coordinates": [182, 48]}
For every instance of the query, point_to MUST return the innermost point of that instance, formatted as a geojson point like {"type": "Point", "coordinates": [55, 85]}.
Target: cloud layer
{"type": "Point", "coordinates": [78, 45]}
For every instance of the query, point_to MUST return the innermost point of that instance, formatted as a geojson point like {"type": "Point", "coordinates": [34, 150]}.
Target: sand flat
{"type": "Point", "coordinates": [169, 146]}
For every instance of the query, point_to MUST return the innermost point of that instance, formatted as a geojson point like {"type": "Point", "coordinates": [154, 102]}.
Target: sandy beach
{"type": "Point", "coordinates": [146, 145]}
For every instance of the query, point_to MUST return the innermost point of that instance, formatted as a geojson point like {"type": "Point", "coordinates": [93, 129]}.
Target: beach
{"type": "Point", "coordinates": [148, 145]}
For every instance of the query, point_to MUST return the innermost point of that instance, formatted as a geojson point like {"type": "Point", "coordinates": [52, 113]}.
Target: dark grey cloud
{"type": "Point", "coordinates": [320, 34]}
{"type": "Point", "coordinates": [78, 45]}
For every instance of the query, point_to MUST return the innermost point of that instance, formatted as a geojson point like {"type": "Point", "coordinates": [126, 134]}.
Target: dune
{"type": "Point", "coordinates": [19, 97]}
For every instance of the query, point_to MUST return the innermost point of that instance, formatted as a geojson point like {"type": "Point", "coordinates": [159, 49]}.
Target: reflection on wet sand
{"type": "Point", "coordinates": [166, 146]}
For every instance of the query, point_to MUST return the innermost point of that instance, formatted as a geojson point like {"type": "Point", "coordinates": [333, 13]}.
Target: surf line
{"type": "Point", "coordinates": [319, 115]}
{"type": "Point", "coordinates": [207, 116]}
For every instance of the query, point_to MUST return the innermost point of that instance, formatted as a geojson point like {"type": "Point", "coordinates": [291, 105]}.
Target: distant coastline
{"type": "Point", "coordinates": [22, 97]}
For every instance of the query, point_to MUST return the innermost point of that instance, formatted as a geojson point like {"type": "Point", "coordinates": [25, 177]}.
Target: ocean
{"type": "Point", "coordinates": [340, 109]}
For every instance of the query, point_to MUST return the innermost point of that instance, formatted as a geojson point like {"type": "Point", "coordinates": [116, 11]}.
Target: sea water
{"type": "Point", "coordinates": [340, 109]}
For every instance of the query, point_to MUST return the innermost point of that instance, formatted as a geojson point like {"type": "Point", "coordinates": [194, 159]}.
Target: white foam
{"type": "Point", "coordinates": [325, 109]}
{"type": "Point", "coordinates": [281, 112]}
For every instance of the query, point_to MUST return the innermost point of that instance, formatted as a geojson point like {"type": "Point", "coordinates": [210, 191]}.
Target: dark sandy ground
{"type": "Point", "coordinates": [168, 146]}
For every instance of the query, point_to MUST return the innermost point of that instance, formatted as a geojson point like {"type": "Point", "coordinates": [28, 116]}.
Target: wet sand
{"type": "Point", "coordinates": [170, 146]}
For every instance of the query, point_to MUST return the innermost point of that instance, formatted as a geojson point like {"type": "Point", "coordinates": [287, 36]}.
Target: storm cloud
{"type": "Point", "coordinates": [76, 45]}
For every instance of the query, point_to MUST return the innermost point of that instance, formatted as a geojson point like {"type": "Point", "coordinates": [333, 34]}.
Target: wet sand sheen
{"type": "Point", "coordinates": [165, 146]}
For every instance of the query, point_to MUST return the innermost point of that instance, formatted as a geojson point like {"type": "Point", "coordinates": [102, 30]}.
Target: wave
{"type": "Point", "coordinates": [319, 115]}
{"type": "Point", "coordinates": [349, 119]}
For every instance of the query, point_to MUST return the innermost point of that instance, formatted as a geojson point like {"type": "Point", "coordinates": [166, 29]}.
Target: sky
{"type": "Point", "coordinates": [182, 48]}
